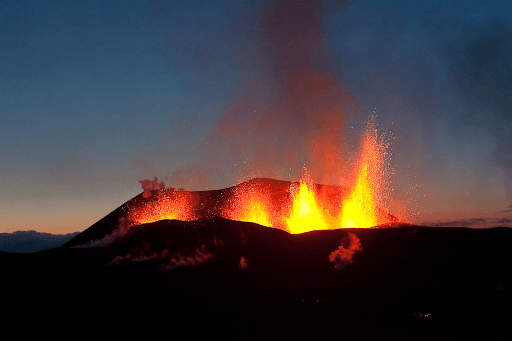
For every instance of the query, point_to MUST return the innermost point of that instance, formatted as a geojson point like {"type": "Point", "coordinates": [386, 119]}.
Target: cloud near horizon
{"type": "Point", "coordinates": [472, 223]}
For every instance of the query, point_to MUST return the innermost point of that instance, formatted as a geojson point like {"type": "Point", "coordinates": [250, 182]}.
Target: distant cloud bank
{"type": "Point", "coordinates": [32, 241]}
{"type": "Point", "coordinates": [472, 223]}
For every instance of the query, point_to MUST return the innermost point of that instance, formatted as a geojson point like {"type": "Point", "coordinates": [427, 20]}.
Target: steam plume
{"type": "Point", "coordinates": [170, 260]}
{"type": "Point", "coordinates": [342, 257]}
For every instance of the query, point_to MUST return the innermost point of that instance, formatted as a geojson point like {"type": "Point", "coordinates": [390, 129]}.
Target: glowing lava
{"type": "Point", "coordinates": [306, 214]}
{"type": "Point", "coordinates": [359, 208]}
{"type": "Point", "coordinates": [165, 205]}
{"type": "Point", "coordinates": [297, 208]}
{"type": "Point", "coordinates": [255, 212]}
{"type": "Point", "coordinates": [250, 205]}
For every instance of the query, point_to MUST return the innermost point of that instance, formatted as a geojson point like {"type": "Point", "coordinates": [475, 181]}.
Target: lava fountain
{"type": "Point", "coordinates": [295, 207]}
{"type": "Point", "coordinates": [160, 205]}
{"type": "Point", "coordinates": [360, 208]}
{"type": "Point", "coordinates": [306, 213]}
{"type": "Point", "coordinates": [250, 204]}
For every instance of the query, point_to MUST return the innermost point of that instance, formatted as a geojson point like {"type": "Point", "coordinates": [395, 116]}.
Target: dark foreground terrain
{"type": "Point", "coordinates": [189, 279]}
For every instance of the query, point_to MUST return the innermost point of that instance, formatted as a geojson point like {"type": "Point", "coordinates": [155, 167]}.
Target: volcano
{"type": "Point", "coordinates": [268, 198]}
{"type": "Point", "coordinates": [217, 277]}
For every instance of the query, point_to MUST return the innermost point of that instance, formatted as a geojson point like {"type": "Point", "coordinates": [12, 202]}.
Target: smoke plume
{"type": "Point", "coordinates": [243, 263]}
{"type": "Point", "coordinates": [195, 258]}
{"type": "Point", "coordinates": [170, 259]}
{"type": "Point", "coordinates": [345, 256]}
{"type": "Point", "coordinates": [291, 109]}
{"type": "Point", "coordinates": [150, 186]}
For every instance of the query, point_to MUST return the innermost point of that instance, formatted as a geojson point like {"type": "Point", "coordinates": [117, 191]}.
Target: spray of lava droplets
{"type": "Point", "coordinates": [170, 204]}
{"type": "Point", "coordinates": [306, 213]}
{"type": "Point", "coordinates": [301, 209]}
{"type": "Point", "coordinates": [362, 207]}
{"type": "Point", "coordinates": [249, 204]}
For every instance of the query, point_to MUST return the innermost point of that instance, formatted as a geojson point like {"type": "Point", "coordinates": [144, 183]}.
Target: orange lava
{"type": "Point", "coordinates": [303, 207]}
{"type": "Point", "coordinates": [306, 214]}
{"type": "Point", "coordinates": [164, 205]}
{"type": "Point", "coordinates": [255, 212]}
{"type": "Point", "coordinates": [359, 208]}
{"type": "Point", "coordinates": [249, 205]}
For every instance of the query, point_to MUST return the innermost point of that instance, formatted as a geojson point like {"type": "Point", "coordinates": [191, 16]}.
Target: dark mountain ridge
{"type": "Point", "coordinates": [404, 280]}
{"type": "Point", "coordinates": [215, 277]}
{"type": "Point", "coordinates": [32, 241]}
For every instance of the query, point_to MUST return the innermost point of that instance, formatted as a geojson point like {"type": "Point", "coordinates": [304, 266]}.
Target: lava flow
{"type": "Point", "coordinates": [170, 204]}
{"type": "Point", "coordinates": [293, 207]}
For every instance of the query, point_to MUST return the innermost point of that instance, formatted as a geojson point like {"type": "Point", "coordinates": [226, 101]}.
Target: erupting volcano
{"type": "Point", "coordinates": [289, 123]}
{"type": "Point", "coordinates": [295, 207]}
{"type": "Point", "coordinates": [275, 222]}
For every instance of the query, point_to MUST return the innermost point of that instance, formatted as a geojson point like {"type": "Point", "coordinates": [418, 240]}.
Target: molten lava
{"type": "Point", "coordinates": [256, 212]}
{"type": "Point", "coordinates": [163, 205]}
{"type": "Point", "coordinates": [296, 207]}
{"type": "Point", "coordinates": [359, 208]}
{"type": "Point", "coordinates": [306, 214]}
{"type": "Point", "coordinates": [249, 204]}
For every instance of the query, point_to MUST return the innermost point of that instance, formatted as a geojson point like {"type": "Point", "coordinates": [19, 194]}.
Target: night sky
{"type": "Point", "coordinates": [98, 95]}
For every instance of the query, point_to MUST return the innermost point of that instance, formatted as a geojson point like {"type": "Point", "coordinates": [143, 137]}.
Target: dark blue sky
{"type": "Point", "coordinates": [97, 95]}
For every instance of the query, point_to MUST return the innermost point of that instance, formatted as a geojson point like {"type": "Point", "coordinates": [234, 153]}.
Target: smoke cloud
{"type": "Point", "coordinates": [437, 73]}
{"type": "Point", "coordinates": [290, 110]}
{"type": "Point", "coordinates": [122, 229]}
{"type": "Point", "coordinates": [169, 260]}
{"type": "Point", "coordinates": [243, 263]}
{"type": "Point", "coordinates": [481, 66]}
{"type": "Point", "coordinates": [345, 256]}
{"type": "Point", "coordinates": [150, 186]}
{"type": "Point", "coordinates": [196, 258]}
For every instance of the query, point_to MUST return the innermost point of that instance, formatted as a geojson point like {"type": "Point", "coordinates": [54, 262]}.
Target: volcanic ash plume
{"type": "Point", "coordinates": [342, 256]}
{"type": "Point", "coordinates": [292, 112]}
